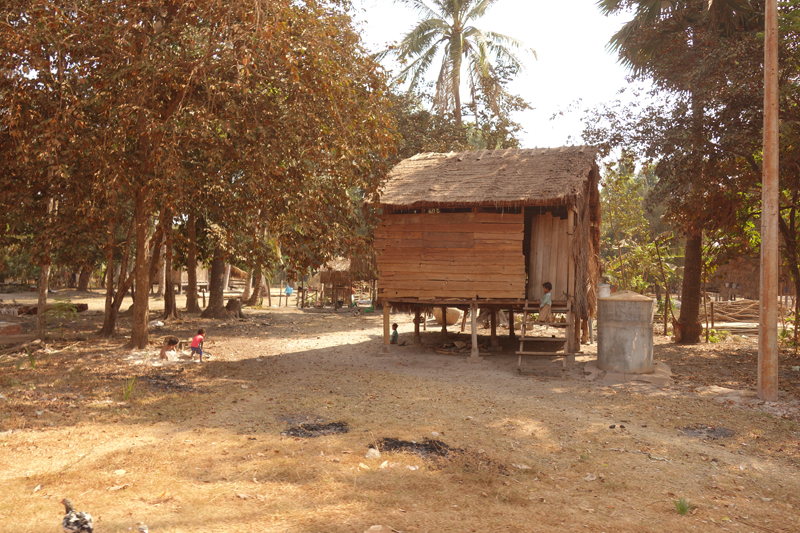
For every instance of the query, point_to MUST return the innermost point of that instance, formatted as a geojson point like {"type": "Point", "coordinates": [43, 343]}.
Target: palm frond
{"type": "Point", "coordinates": [418, 67]}
{"type": "Point", "coordinates": [479, 10]}
{"type": "Point", "coordinates": [490, 46]}
{"type": "Point", "coordinates": [421, 37]}
{"type": "Point", "coordinates": [504, 41]}
{"type": "Point", "coordinates": [652, 8]}
{"type": "Point", "coordinates": [421, 7]}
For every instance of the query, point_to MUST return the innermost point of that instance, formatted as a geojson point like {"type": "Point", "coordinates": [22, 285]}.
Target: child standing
{"type": "Point", "coordinates": [544, 306]}
{"type": "Point", "coordinates": [395, 334]}
{"type": "Point", "coordinates": [197, 343]}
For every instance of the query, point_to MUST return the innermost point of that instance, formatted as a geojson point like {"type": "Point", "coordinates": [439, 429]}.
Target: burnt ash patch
{"type": "Point", "coordinates": [701, 431]}
{"type": "Point", "coordinates": [427, 449]}
{"type": "Point", "coordinates": [167, 383]}
{"type": "Point", "coordinates": [316, 430]}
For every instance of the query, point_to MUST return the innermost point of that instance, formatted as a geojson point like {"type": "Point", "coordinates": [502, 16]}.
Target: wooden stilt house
{"type": "Point", "coordinates": [486, 229]}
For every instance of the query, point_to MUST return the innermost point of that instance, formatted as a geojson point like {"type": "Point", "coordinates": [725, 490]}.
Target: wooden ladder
{"type": "Point", "coordinates": [527, 310]}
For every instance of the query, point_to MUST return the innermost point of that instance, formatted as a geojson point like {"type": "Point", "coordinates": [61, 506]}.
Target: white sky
{"type": "Point", "coordinates": [569, 37]}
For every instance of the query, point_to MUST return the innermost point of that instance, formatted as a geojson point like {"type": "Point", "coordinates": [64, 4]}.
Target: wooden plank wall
{"type": "Point", "coordinates": [451, 255]}
{"type": "Point", "coordinates": [549, 256]}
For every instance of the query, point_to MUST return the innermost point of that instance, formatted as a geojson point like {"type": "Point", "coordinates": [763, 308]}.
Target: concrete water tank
{"type": "Point", "coordinates": [625, 333]}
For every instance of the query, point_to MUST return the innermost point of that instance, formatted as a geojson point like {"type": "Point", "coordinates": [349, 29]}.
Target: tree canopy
{"type": "Point", "coordinates": [255, 115]}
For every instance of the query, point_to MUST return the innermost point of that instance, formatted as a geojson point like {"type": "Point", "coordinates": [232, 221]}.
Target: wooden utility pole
{"type": "Point", "coordinates": [768, 326]}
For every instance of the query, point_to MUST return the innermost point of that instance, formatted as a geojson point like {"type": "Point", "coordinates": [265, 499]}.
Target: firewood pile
{"type": "Point", "coordinates": [732, 311]}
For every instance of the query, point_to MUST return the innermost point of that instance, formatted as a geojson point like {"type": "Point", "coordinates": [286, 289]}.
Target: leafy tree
{"type": "Point", "coordinates": [165, 106]}
{"type": "Point", "coordinates": [447, 28]}
{"type": "Point", "coordinates": [493, 108]}
{"type": "Point", "coordinates": [691, 54]}
{"type": "Point", "coordinates": [420, 131]}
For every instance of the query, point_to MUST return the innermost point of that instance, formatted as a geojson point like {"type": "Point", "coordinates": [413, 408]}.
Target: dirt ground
{"type": "Point", "coordinates": [199, 447]}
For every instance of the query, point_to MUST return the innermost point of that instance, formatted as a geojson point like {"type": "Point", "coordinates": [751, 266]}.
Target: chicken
{"type": "Point", "coordinates": [75, 522]}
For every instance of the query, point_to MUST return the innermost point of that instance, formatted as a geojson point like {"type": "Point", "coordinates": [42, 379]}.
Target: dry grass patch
{"type": "Point", "coordinates": [200, 449]}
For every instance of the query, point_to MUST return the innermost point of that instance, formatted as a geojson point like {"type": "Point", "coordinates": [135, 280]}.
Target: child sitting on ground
{"type": "Point", "coordinates": [197, 343]}
{"type": "Point", "coordinates": [544, 306]}
{"type": "Point", "coordinates": [395, 334]}
{"type": "Point", "coordinates": [169, 345]}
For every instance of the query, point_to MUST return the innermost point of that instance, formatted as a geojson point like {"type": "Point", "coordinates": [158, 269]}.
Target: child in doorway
{"type": "Point", "coordinates": [544, 306]}
{"type": "Point", "coordinates": [197, 343]}
{"type": "Point", "coordinates": [395, 334]}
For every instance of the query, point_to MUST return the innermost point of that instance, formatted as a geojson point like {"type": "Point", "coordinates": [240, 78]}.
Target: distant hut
{"type": "Point", "coordinates": [737, 277]}
{"type": "Point", "coordinates": [338, 276]}
{"type": "Point", "coordinates": [487, 228]}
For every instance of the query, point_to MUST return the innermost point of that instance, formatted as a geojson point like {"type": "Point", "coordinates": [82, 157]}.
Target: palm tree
{"type": "Point", "coordinates": [446, 26]}
{"type": "Point", "coordinates": [634, 52]}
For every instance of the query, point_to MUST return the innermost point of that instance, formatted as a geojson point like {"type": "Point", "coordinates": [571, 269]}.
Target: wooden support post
{"type": "Point", "coordinates": [712, 314]}
{"type": "Point", "coordinates": [494, 344]}
{"type": "Point", "coordinates": [386, 328]}
{"type": "Point", "coordinates": [511, 333]}
{"type": "Point", "coordinates": [464, 321]}
{"type": "Point", "coordinates": [571, 282]}
{"type": "Point", "coordinates": [475, 354]}
{"type": "Point", "coordinates": [569, 347]}
{"type": "Point", "coordinates": [444, 322]}
{"type": "Point", "coordinates": [417, 338]}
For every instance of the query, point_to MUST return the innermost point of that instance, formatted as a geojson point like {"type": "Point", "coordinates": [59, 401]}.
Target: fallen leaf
{"type": "Point", "coordinates": [119, 487]}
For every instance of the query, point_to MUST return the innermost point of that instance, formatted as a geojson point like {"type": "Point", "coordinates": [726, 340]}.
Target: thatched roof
{"type": "Point", "coordinates": [337, 264]}
{"type": "Point", "coordinates": [512, 177]}
{"type": "Point", "coordinates": [356, 268]}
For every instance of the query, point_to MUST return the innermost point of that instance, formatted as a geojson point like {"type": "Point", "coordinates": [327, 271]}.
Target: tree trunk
{"type": "Point", "coordinates": [109, 271]}
{"type": "Point", "coordinates": [114, 301]}
{"type": "Point", "coordinates": [43, 286]}
{"type": "Point", "coordinates": [216, 299]}
{"type": "Point", "coordinates": [44, 281]}
{"type": "Point", "coordinates": [790, 250]}
{"type": "Point", "coordinates": [248, 281]}
{"type": "Point", "coordinates": [162, 273]}
{"type": "Point", "coordinates": [456, 53]}
{"type": "Point", "coordinates": [266, 291]}
{"type": "Point", "coordinates": [84, 277]}
{"type": "Point", "coordinates": [141, 296]}
{"type": "Point", "coordinates": [192, 306]}
{"type": "Point", "coordinates": [170, 307]}
{"type": "Point", "coordinates": [254, 297]}
{"type": "Point", "coordinates": [691, 290]}
{"type": "Point", "coordinates": [226, 283]}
